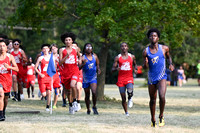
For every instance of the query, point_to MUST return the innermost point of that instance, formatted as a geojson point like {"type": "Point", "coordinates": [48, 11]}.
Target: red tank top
{"type": "Point", "coordinates": [5, 75]}
{"type": "Point", "coordinates": [17, 56]}
{"type": "Point", "coordinates": [30, 70]}
{"type": "Point", "coordinates": [126, 71]}
{"type": "Point", "coordinates": [44, 66]}
{"type": "Point", "coordinates": [70, 65]}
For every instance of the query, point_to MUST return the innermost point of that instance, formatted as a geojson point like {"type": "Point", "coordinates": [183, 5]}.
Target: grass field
{"type": "Point", "coordinates": [182, 114]}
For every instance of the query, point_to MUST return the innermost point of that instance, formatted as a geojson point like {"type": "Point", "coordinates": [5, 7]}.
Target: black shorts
{"type": "Point", "coordinates": [7, 94]}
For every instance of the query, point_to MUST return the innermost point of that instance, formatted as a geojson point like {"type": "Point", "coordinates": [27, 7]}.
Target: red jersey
{"type": "Point", "coordinates": [44, 66]}
{"type": "Point", "coordinates": [17, 56]}
{"type": "Point", "coordinates": [126, 71]}
{"type": "Point", "coordinates": [5, 75]}
{"type": "Point", "coordinates": [70, 65]}
{"type": "Point", "coordinates": [30, 71]}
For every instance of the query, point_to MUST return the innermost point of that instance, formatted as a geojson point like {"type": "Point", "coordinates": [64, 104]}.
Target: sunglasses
{"type": "Point", "coordinates": [88, 47]}
{"type": "Point", "coordinates": [16, 43]}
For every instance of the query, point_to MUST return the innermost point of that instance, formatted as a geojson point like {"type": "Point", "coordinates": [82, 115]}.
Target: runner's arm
{"type": "Point", "coordinates": [115, 64]}
{"type": "Point", "coordinates": [169, 59]}
{"type": "Point", "coordinates": [97, 63]}
{"type": "Point", "coordinates": [145, 60]}
{"type": "Point", "coordinates": [61, 59]}
{"type": "Point", "coordinates": [36, 67]}
{"type": "Point", "coordinates": [14, 66]}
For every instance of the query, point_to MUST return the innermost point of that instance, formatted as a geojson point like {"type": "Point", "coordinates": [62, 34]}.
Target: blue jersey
{"type": "Point", "coordinates": [89, 70]}
{"type": "Point", "coordinates": [156, 65]}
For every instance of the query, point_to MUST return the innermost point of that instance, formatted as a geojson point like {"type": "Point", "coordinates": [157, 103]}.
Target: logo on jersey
{"type": "Point", "coordinates": [126, 66]}
{"type": "Point", "coordinates": [17, 60]}
{"type": "Point", "coordinates": [70, 60]}
{"type": "Point", "coordinates": [3, 69]}
{"type": "Point", "coordinates": [91, 65]}
{"type": "Point", "coordinates": [155, 60]}
{"type": "Point", "coordinates": [45, 67]}
{"type": "Point", "coordinates": [30, 72]}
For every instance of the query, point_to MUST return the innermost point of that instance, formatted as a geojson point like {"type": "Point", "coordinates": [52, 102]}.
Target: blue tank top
{"type": "Point", "coordinates": [156, 65]}
{"type": "Point", "coordinates": [89, 70]}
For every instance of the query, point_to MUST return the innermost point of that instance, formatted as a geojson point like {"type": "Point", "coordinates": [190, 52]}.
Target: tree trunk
{"type": "Point", "coordinates": [101, 78]}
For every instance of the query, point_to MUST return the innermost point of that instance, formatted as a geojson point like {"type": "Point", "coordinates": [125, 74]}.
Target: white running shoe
{"type": "Point", "coordinates": [22, 96]}
{"type": "Point", "coordinates": [130, 103]}
{"type": "Point", "coordinates": [75, 106]}
{"type": "Point", "coordinates": [47, 109]}
{"type": "Point", "coordinates": [71, 110]}
{"type": "Point", "coordinates": [78, 106]}
{"type": "Point", "coordinates": [127, 114]}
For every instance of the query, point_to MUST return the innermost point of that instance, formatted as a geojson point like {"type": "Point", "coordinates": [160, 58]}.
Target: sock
{"type": "Point", "coordinates": [78, 101]}
{"type": "Point", "coordinates": [4, 112]}
{"type": "Point", "coordinates": [64, 100]}
{"type": "Point", "coordinates": [15, 94]}
{"type": "Point", "coordinates": [47, 106]}
{"type": "Point", "coordinates": [1, 113]}
{"type": "Point", "coordinates": [74, 99]}
{"type": "Point", "coordinates": [70, 104]}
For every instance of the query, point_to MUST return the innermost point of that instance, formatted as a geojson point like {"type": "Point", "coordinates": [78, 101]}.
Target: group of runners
{"type": "Point", "coordinates": [76, 70]}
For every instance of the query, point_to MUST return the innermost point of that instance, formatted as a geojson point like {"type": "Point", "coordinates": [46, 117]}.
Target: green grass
{"type": "Point", "coordinates": [182, 113]}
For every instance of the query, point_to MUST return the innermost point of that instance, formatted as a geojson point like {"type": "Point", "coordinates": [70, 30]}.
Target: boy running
{"type": "Point", "coordinates": [124, 64]}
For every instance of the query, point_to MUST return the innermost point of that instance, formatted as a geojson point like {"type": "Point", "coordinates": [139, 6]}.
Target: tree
{"type": "Point", "coordinates": [116, 21]}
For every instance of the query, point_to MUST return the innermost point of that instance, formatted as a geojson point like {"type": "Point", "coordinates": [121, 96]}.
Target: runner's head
{"type": "Point", "coordinates": [153, 35]}
{"type": "Point", "coordinates": [68, 38]}
{"type": "Point", "coordinates": [87, 49]}
{"type": "Point", "coordinates": [45, 48]}
{"type": "Point", "coordinates": [16, 43]}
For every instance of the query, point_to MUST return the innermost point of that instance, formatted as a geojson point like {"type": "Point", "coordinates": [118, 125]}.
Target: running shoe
{"type": "Point", "coordinates": [14, 99]}
{"type": "Point", "coordinates": [47, 109]}
{"type": "Point", "coordinates": [127, 114]}
{"type": "Point", "coordinates": [95, 110]}
{"type": "Point", "coordinates": [161, 122]}
{"type": "Point", "coordinates": [78, 106]}
{"type": "Point", "coordinates": [71, 110]}
{"type": "Point", "coordinates": [54, 107]}
{"type": "Point", "coordinates": [75, 106]}
{"type": "Point", "coordinates": [130, 103]}
{"type": "Point", "coordinates": [64, 105]}
{"type": "Point", "coordinates": [153, 124]}
{"type": "Point", "coordinates": [33, 95]}
{"type": "Point", "coordinates": [22, 96]}
{"type": "Point", "coordinates": [88, 112]}
{"type": "Point", "coordinates": [2, 118]}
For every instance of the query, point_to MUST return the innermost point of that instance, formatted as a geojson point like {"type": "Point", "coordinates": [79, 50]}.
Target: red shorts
{"type": "Point", "coordinates": [56, 81]}
{"type": "Point", "coordinates": [123, 83]}
{"type": "Point", "coordinates": [21, 75]}
{"type": "Point", "coordinates": [45, 84]}
{"type": "Point", "coordinates": [67, 81]}
{"type": "Point", "coordinates": [6, 83]}
{"type": "Point", "coordinates": [30, 81]}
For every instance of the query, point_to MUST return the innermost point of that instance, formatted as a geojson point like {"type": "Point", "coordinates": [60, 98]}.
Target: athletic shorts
{"type": "Point", "coordinates": [67, 81]}
{"type": "Point", "coordinates": [21, 74]}
{"type": "Point", "coordinates": [128, 86]}
{"type": "Point", "coordinates": [56, 81]}
{"type": "Point", "coordinates": [30, 81]}
{"type": "Point", "coordinates": [45, 84]}
{"type": "Point", "coordinates": [87, 85]}
{"type": "Point", "coordinates": [156, 81]}
{"type": "Point", "coordinates": [124, 83]}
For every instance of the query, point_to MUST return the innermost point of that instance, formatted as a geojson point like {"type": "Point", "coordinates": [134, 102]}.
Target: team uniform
{"type": "Point", "coordinates": [157, 66]}
{"type": "Point", "coordinates": [180, 74]}
{"type": "Point", "coordinates": [45, 83]}
{"type": "Point", "coordinates": [70, 69]}
{"type": "Point", "coordinates": [22, 74]}
{"type": "Point", "coordinates": [5, 75]}
{"type": "Point", "coordinates": [30, 75]}
{"type": "Point", "coordinates": [56, 79]}
{"type": "Point", "coordinates": [125, 75]}
{"type": "Point", "coordinates": [89, 72]}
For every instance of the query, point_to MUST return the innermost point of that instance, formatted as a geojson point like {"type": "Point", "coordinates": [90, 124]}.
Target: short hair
{"type": "Point", "coordinates": [68, 34]}
{"type": "Point", "coordinates": [75, 43]}
{"type": "Point", "coordinates": [53, 45]}
{"type": "Point", "coordinates": [3, 36]}
{"type": "Point", "coordinates": [44, 45]}
{"type": "Point", "coordinates": [5, 41]}
{"type": "Point", "coordinates": [18, 40]}
{"type": "Point", "coordinates": [153, 30]}
{"type": "Point", "coordinates": [123, 43]}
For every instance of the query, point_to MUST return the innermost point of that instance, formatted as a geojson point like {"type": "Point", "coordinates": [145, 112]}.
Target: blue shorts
{"type": "Point", "coordinates": [156, 81]}
{"type": "Point", "coordinates": [87, 85]}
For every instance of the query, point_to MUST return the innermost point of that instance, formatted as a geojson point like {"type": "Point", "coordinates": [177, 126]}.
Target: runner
{"type": "Point", "coordinates": [70, 72]}
{"type": "Point", "coordinates": [90, 66]}
{"type": "Point", "coordinates": [45, 81]}
{"type": "Point", "coordinates": [6, 60]}
{"type": "Point", "coordinates": [79, 83]}
{"type": "Point", "coordinates": [56, 79]}
{"type": "Point", "coordinates": [20, 77]}
{"type": "Point", "coordinates": [154, 58]}
{"type": "Point", "coordinates": [124, 64]}
{"type": "Point", "coordinates": [30, 77]}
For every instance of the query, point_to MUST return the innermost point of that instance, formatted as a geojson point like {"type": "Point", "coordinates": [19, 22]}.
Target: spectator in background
{"type": "Point", "coordinates": [168, 72]}
{"type": "Point", "coordinates": [174, 76]}
{"type": "Point", "coordinates": [181, 76]}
